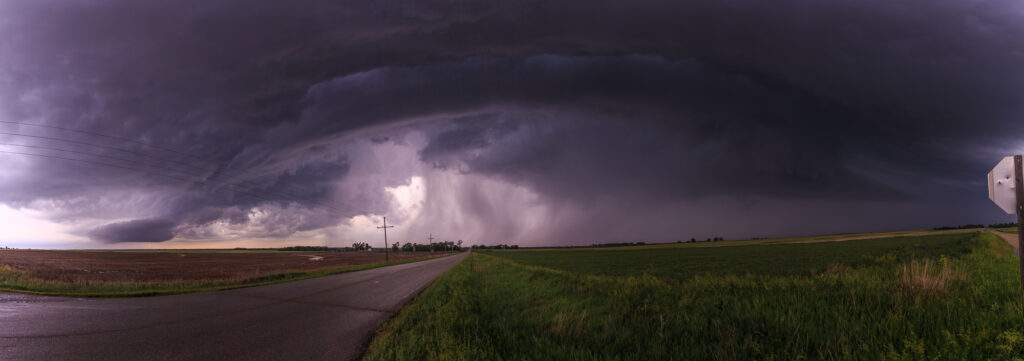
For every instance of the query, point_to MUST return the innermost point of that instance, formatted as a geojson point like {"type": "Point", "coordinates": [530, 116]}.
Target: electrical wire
{"type": "Point", "coordinates": [219, 165]}
{"type": "Point", "coordinates": [101, 135]}
{"type": "Point", "coordinates": [282, 194]}
{"type": "Point", "coordinates": [245, 192]}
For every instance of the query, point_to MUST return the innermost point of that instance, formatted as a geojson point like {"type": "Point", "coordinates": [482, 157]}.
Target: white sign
{"type": "Point", "coordinates": [1000, 186]}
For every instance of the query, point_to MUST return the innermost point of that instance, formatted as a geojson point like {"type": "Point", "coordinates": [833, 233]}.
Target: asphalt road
{"type": "Point", "coordinates": [328, 318]}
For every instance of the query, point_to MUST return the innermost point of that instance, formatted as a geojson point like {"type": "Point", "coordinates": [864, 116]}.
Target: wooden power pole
{"type": "Point", "coordinates": [385, 228]}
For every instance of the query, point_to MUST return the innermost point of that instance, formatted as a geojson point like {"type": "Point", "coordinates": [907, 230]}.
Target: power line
{"type": "Point", "coordinates": [108, 136]}
{"type": "Point", "coordinates": [245, 193]}
{"type": "Point", "coordinates": [91, 155]}
{"type": "Point", "coordinates": [216, 164]}
{"type": "Point", "coordinates": [102, 135]}
{"type": "Point", "coordinates": [122, 167]}
{"type": "Point", "coordinates": [103, 147]}
{"type": "Point", "coordinates": [233, 186]}
{"type": "Point", "coordinates": [91, 162]}
{"type": "Point", "coordinates": [226, 182]}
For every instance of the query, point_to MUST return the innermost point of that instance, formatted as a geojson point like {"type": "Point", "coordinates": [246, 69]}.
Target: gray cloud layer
{"type": "Point", "coordinates": [601, 109]}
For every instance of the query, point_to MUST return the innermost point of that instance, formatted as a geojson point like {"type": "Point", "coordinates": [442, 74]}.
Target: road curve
{"type": "Point", "coordinates": [327, 318]}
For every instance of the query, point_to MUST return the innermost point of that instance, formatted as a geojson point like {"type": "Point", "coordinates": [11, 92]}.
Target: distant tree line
{"type": "Point", "coordinates": [693, 240]}
{"type": "Point", "coordinates": [500, 246]}
{"type": "Point", "coordinates": [359, 246]}
{"type": "Point", "coordinates": [620, 244]}
{"type": "Point", "coordinates": [305, 249]}
{"type": "Point", "coordinates": [970, 226]}
{"type": "Point", "coordinates": [412, 247]}
{"type": "Point", "coordinates": [363, 246]}
{"type": "Point", "coordinates": [429, 247]}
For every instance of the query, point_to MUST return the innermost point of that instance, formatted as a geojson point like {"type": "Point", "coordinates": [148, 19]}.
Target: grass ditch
{"type": "Point", "coordinates": [13, 280]}
{"type": "Point", "coordinates": [954, 297]}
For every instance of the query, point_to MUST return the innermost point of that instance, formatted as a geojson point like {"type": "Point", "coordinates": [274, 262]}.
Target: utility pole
{"type": "Point", "coordinates": [431, 239]}
{"type": "Point", "coordinates": [385, 228]}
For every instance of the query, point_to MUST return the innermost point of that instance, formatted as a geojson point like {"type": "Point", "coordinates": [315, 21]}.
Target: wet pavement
{"type": "Point", "coordinates": [327, 318]}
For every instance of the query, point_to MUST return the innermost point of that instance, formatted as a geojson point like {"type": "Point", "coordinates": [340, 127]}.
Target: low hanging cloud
{"type": "Point", "coordinates": [138, 230]}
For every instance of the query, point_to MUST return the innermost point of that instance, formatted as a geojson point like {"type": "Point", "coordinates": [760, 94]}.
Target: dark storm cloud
{"type": "Point", "coordinates": [467, 134]}
{"type": "Point", "coordinates": [644, 101]}
{"type": "Point", "coordinates": [630, 123]}
{"type": "Point", "coordinates": [139, 230]}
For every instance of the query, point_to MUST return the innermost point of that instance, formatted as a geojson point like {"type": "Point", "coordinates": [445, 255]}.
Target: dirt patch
{"type": "Point", "coordinates": [164, 266]}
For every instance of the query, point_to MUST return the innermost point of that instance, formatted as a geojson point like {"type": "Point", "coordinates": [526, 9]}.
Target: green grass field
{"type": "Point", "coordinates": [944, 297]}
{"type": "Point", "coordinates": [765, 241]}
{"type": "Point", "coordinates": [770, 260]}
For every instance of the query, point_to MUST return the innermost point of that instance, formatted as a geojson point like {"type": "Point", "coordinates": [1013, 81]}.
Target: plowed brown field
{"type": "Point", "coordinates": [76, 266]}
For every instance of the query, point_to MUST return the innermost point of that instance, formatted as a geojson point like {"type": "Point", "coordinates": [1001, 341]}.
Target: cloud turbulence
{"type": "Point", "coordinates": [535, 122]}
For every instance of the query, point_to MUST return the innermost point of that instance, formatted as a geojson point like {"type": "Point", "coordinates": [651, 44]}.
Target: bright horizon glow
{"type": "Point", "coordinates": [26, 228]}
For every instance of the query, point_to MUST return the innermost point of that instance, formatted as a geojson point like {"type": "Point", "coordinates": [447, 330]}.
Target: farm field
{"type": "Point", "coordinates": [786, 240]}
{"type": "Point", "coordinates": [768, 259]}
{"type": "Point", "coordinates": [953, 296]}
{"type": "Point", "coordinates": [138, 273]}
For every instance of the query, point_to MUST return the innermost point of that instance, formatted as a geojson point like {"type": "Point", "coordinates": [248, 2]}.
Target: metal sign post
{"type": "Point", "coordinates": [1006, 189]}
{"type": "Point", "coordinates": [1018, 183]}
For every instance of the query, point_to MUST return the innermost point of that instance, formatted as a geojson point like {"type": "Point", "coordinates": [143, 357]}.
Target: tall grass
{"type": "Point", "coordinates": [914, 306]}
{"type": "Point", "coordinates": [927, 277]}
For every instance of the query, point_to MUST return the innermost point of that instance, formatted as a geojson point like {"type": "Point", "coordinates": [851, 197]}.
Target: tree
{"type": "Point", "coordinates": [360, 246]}
{"type": "Point", "coordinates": [394, 247]}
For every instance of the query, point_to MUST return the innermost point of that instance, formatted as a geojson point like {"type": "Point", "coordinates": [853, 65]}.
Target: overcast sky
{"type": "Point", "coordinates": [175, 124]}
